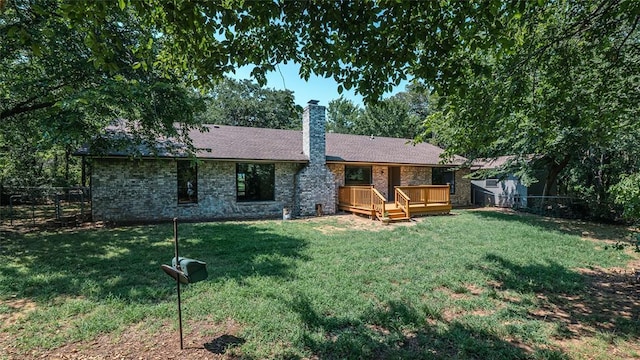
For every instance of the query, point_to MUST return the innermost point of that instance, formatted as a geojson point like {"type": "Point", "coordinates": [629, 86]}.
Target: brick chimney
{"type": "Point", "coordinates": [313, 133]}
{"type": "Point", "coordinates": [315, 192]}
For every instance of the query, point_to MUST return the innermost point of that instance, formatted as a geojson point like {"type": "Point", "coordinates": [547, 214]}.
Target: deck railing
{"type": "Point", "coordinates": [356, 196]}
{"type": "Point", "coordinates": [427, 194]}
{"type": "Point", "coordinates": [419, 199]}
{"type": "Point", "coordinates": [403, 201]}
{"type": "Point", "coordinates": [378, 203]}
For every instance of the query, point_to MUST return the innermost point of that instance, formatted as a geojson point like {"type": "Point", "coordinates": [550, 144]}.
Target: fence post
{"type": "Point", "coordinates": [33, 210]}
{"type": "Point", "coordinates": [57, 205]}
{"type": "Point", "coordinates": [11, 210]}
{"type": "Point", "coordinates": [82, 203]}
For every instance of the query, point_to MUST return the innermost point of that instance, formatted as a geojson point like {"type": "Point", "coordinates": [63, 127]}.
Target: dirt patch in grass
{"type": "Point", "coordinates": [465, 291]}
{"type": "Point", "coordinates": [203, 340]}
{"type": "Point", "coordinates": [610, 303]}
{"type": "Point", "coordinates": [343, 222]}
{"type": "Point", "coordinates": [7, 230]}
{"type": "Point", "coordinates": [18, 308]}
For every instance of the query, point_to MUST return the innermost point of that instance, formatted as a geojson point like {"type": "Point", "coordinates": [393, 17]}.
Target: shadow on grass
{"type": "Point", "coordinates": [579, 303]}
{"type": "Point", "coordinates": [125, 262]}
{"type": "Point", "coordinates": [397, 330]}
{"type": "Point", "coordinates": [581, 228]}
{"type": "Point", "coordinates": [222, 343]}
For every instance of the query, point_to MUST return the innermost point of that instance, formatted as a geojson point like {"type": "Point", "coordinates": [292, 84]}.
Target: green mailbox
{"type": "Point", "coordinates": [194, 270]}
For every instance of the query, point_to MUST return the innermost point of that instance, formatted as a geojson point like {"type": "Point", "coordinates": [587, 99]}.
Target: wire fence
{"type": "Point", "coordinates": [43, 206]}
{"type": "Point", "coordinates": [556, 206]}
{"type": "Point", "coordinates": [551, 206]}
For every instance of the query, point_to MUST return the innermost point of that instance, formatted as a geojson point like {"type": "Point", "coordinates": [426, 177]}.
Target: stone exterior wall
{"type": "Point", "coordinates": [338, 173]}
{"type": "Point", "coordinates": [126, 190]}
{"type": "Point", "coordinates": [123, 189]}
{"type": "Point", "coordinates": [338, 178]}
{"type": "Point", "coordinates": [415, 175]}
{"type": "Point", "coordinates": [313, 133]}
{"type": "Point", "coordinates": [315, 185]}
{"type": "Point", "coordinates": [462, 197]}
{"type": "Point", "coordinates": [380, 179]}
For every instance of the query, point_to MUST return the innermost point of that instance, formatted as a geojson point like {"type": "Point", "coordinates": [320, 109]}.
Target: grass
{"type": "Point", "coordinates": [474, 285]}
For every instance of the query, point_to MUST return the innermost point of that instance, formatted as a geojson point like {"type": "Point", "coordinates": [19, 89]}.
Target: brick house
{"type": "Point", "coordinates": [243, 172]}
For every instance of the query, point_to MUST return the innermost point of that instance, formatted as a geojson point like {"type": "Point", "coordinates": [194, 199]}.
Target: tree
{"type": "Point", "coordinates": [367, 45]}
{"type": "Point", "coordinates": [56, 94]}
{"type": "Point", "coordinates": [390, 117]}
{"type": "Point", "coordinates": [245, 103]}
{"type": "Point", "coordinates": [342, 116]}
{"type": "Point", "coordinates": [626, 193]}
{"type": "Point", "coordinates": [399, 116]}
{"type": "Point", "coordinates": [567, 95]}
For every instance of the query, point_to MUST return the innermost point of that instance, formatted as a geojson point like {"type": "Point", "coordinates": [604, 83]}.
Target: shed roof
{"type": "Point", "coordinates": [492, 163]}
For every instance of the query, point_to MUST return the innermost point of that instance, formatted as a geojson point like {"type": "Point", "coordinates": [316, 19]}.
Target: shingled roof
{"type": "Point", "coordinates": [375, 149]}
{"type": "Point", "coordinates": [248, 143]}
{"type": "Point", "coordinates": [224, 142]}
{"type": "Point", "coordinates": [245, 143]}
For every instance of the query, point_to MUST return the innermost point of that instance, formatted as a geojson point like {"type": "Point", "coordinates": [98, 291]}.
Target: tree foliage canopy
{"type": "Point", "coordinates": [399, 116]}
{"type": "Point", "coordinates": [57, 93]}
{"type": "Point", "coordinates": [366, 45]}
{"type": "Point", "coordinates": [567, 95]}
{"type": "Point", "coordinates": [245, 103]}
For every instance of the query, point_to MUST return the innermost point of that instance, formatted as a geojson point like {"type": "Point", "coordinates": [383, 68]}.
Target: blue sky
{"type": "Point", "coordinates": [317, 88]}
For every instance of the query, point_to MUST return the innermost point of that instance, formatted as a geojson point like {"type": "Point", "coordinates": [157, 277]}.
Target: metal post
{"type": "Point", "coordinates": [57, 206]}
{"type": "Point", "coordinates": [33, 209]}
{"type": "Point", "coordinates": [175, 240]}
{"type": "Point", "coordinates": [11, 210]}
{"type": "Point", "coordinates": [82, 204]}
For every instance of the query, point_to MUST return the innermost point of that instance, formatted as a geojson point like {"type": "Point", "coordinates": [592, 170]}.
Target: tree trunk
{"type": "Point", "coordinates": [554, 170]}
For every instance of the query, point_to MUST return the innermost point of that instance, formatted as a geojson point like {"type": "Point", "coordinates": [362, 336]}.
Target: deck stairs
{"type": "Point", "coordinates": [395, 214]}
{"type": "Point", "coordinates": [410, 201]}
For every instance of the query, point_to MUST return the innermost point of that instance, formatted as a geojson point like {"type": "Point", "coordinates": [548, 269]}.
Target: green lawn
{"type": "Point", "coordinates": [474, 285]}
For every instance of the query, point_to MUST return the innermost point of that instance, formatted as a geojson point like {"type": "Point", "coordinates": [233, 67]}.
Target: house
{"type": "Point", "coordinates": [506, 191]}
{"type": "Point", "coordinates": [243, 172]}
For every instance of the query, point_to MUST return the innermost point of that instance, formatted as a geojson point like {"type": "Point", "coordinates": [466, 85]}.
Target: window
{"type": "Point", "coordinates": [491, 183]}
{"type": "Point", "coordinates": [187, 182]}
{"type": "Point", "coordinates": [357, 175]}
{"type": "Point", "coordinates": [442, 176]}
{"type": "Point", "coordinates": [255, 182]}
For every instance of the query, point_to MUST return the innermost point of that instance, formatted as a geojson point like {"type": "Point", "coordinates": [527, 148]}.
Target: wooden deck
{"type": "Point", "coordinates": [410, 201]}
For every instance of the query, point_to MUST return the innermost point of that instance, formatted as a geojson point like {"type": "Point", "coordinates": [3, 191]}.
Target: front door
{"type": "Point", "coordinates": [394, 180]}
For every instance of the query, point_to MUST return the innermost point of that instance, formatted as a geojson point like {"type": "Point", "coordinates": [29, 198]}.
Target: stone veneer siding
{"type": "Point", "coordinates": [415, 175]}
{"type": "Point", "coordinates": [146, 190]}
{"type": "Point", "coordinates": [338, 178]}
{"type": "Point", "coordinates": [315, 184]}
{"type": "Point", "coordinates": [380, 179]}
{"type": "Point", "coordinates": [462, 197]}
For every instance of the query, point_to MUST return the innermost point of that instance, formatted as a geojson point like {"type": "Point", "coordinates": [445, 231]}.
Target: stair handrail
{"type": "Point", "coordinates": [378, 202]}
{"type": "Point", "coordinates": [403, 202]}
